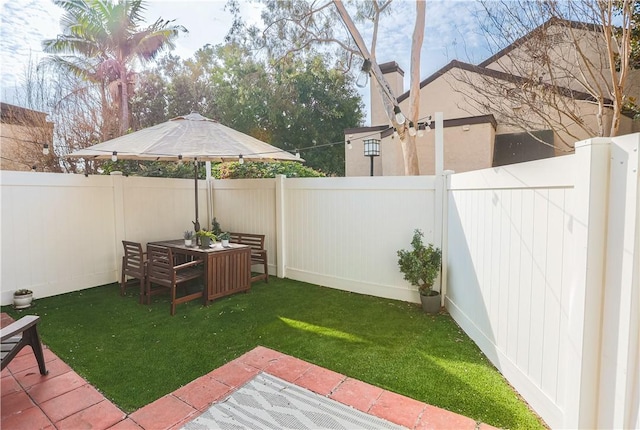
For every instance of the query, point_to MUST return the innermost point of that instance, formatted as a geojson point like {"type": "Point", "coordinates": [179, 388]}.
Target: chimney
{"type": "Point", "coordinates": [395, 77]}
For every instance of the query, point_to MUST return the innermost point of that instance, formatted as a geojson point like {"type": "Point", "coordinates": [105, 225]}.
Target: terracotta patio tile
{"type": "Point", "coordinates": [55, 386]}
{"type": "Point", "coordinates": [398, 409]}
{"type": "Point", "coordinates": [320, 380]}
{"type": "Point", "coordinates": [26, 359]}
{"type": "Point", "coordinates": [125, 424]}
{"type": "Point", "coordinates": [164, 413]}
{"type": "Point", "coordinates": [15, 403]}
{"type": "Point", "coordinates": [357, 394]}
{"type": "Point", "coordinates": [29, 419]}
{"type": "Point", "coordinates": [96, 417]}
{"type": "Point", "coordinates": [202, 392]}
{"type": "Point", "coordinates": [260, 357]}
{"type": "Point", "coordinates": [234, 373]}
{"type": "Point", "coordinates": [434, 418]}
{"type": "Point", "coordinates": [30, 377]}
{"type": "Point", "coordinates": [9, 385]}
{"type": "Point", "coordinates": [288, 368]}
{"type": "Point", "coordinates": [71, 402]}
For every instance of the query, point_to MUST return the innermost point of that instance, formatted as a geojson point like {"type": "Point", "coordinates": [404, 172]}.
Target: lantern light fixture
{"type": "Point", "coordinates": [363, 77]}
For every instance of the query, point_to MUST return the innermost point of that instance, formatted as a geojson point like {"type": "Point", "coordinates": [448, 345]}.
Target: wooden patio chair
{"type": "Point", "coordinates": [19, 334]}
{"type": "Point", "coordinates": [133, 266]}
{"type": "Point", "coordinates": [162, 272]}
{"type": "Point", "coordinates": [258, 253]}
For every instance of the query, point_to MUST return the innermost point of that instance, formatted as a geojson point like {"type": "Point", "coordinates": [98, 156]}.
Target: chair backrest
{"type": "Point", "coordinates": [255, 241]}
{"type": "Point", "coordinates": [159, 263]}
{"type": "Point", "coordinates": [133, 261]}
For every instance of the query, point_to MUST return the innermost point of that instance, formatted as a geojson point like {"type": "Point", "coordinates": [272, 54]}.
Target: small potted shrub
{"type": "Point", "coordinates": [224, 238]}
{"type": "Point", "coordinates": [188, 238]}
{"type": "Point", "coordinates": [206, 238]}
{"type": "Point", "coordinates": [22, 298]}
{"type": "Point", "coordinates": [421, 266]}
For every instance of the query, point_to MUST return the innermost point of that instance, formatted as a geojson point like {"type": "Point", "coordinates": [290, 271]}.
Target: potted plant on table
{"type": "Point", "coordinates": [206, 238]}
{"type": "Point", "coordinates": [421, 267]}
{"type": "Point", "coordinates": [224, 238]}
{"type": "Point", "coordinates": [22, 298]}
{"type": "Point", "coordinates": [188, 238]}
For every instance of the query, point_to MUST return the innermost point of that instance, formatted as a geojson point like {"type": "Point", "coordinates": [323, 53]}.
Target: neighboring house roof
{"type": "Point", "coordinates": [521, 41]}
{"type": "Point", "coordinates": [11, 114]}
{"type": "Point", "coordinates": [482, 70]}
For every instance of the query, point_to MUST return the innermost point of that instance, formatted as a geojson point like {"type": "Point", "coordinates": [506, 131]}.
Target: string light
{"type": "Point", "coordinates": [45, 149]}
{"type": "Point", "coordinates": [240, 159]}
{"type": "Point", "coordinates": [180, 160]}
{"type": "Point", "coordinates": [412, 129]}
{"type": "Point", "coordinates": [363, 77]}
{"type": "Point", "coordinates": [114, 156]}
{"type": "Point", "coordinates": [400, 118]}
{"type": "Point", "coordinates": [349, 145]}
{"type": "Point", "coordinates": [33, 168]}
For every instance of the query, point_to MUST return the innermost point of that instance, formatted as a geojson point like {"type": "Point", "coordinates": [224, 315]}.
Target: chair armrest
{"type": "Point", "coordinates": [187, 264]}
{"type": "Point", "coordinates": [19, 326]}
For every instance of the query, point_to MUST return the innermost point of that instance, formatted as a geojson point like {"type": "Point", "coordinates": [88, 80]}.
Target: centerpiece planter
{"type": "Point", "coordinates": [224, 238]}
{"type": "Point", "coordinates": [205, 237]}
{"type": "Point", "coordinates": [188, 238]}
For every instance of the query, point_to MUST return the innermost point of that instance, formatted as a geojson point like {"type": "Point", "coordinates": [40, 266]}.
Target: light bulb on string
{"type": "Point", "coordinates": [412, 129]}
{"type": "Point", "coordinates": [349, 145]}
{"type": "Point", "coordinates": [363, 77]}
{"type": "Point", "coordinates": [297, 154]}
{"type": "Point", "coordinates": [45, 149]}
{"type": "Point", "coordinates": [395, 132]}
{"type": "Point", "coordinates": [180, 160]}
{"type": "Point", "coordinates": [420, 130]}
{"type": "Point", "coordinates": [240, 159]}
{"type": "Point", "coordinates": [33, 168]}
{"type": "Point", "coordinates": [114, 156]}
{"type": "Point", "coordinates": [400, 118]}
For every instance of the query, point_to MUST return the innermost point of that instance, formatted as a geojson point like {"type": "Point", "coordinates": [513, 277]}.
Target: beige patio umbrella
{"type": "Point", "coordinates": [187, 138]}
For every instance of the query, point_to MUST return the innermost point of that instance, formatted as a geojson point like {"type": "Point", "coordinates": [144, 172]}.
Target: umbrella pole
{"type": "Point", "coordinates": [196, 224]}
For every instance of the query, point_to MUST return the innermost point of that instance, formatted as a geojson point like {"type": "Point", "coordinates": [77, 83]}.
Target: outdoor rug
{"type": "Point", "coordinates": [267, 402]}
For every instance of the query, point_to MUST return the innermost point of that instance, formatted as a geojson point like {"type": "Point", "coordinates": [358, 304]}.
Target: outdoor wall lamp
{"type": "Point", "coordinates": [371, 149]}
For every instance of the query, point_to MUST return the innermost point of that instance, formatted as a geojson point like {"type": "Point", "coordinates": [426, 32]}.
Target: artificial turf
{"type": "Point", "coordinates": [135, 354]}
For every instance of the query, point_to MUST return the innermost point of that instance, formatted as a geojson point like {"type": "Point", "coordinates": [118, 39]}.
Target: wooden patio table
{"type": "Point", "coordinates": [226, 270]}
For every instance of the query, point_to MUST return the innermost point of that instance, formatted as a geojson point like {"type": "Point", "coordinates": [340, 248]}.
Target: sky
{"type": "Point", "coordinates": [451, 33]}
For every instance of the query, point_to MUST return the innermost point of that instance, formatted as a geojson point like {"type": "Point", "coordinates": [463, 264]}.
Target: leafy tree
{"type": "Point", "coordinates": [235, 170]}
{"type": "Point", "coordinates": [297, 105]}
{"type": "Point", "coordinates": [302, 29]}
{"type": "Point", "coordinates": [102, 39]}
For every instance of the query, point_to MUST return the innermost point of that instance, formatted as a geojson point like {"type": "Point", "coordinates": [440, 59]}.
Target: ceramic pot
{"type": "Point", "coordinates": [23, 301]}
{"type": "Point", "coordinates": [188, 242]}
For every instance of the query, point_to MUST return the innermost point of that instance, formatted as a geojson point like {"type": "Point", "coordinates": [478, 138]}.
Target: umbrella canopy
{"type": "Point", "coordinates": [189, 137]}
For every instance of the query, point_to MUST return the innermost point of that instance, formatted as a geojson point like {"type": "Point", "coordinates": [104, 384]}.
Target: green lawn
{"type": "Point", "coordinates": [135, 353]}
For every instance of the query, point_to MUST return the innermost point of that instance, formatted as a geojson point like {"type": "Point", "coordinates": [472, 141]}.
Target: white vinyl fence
{"type": "Point", "coordinates": [540, 259]}
{"type": "Point", "coordinates": [543, 275]}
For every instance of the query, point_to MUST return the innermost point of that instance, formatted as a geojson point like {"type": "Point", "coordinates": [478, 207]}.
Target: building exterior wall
{"type": "Point", "coordinates": [23, 132]}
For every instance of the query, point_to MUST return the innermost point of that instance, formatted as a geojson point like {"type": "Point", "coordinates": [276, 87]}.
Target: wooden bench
{"type": "Point", "coordinates": [19, 334]}
{"type": "Point", "coordinates": [258, 253]}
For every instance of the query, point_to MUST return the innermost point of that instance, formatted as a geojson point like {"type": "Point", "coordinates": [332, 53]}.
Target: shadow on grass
{"type": "Point", "coordinates": [137, 353]}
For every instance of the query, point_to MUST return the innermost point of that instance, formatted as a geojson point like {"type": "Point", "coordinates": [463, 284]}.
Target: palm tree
{"type": "Point", "coordinates": [101, 40]}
